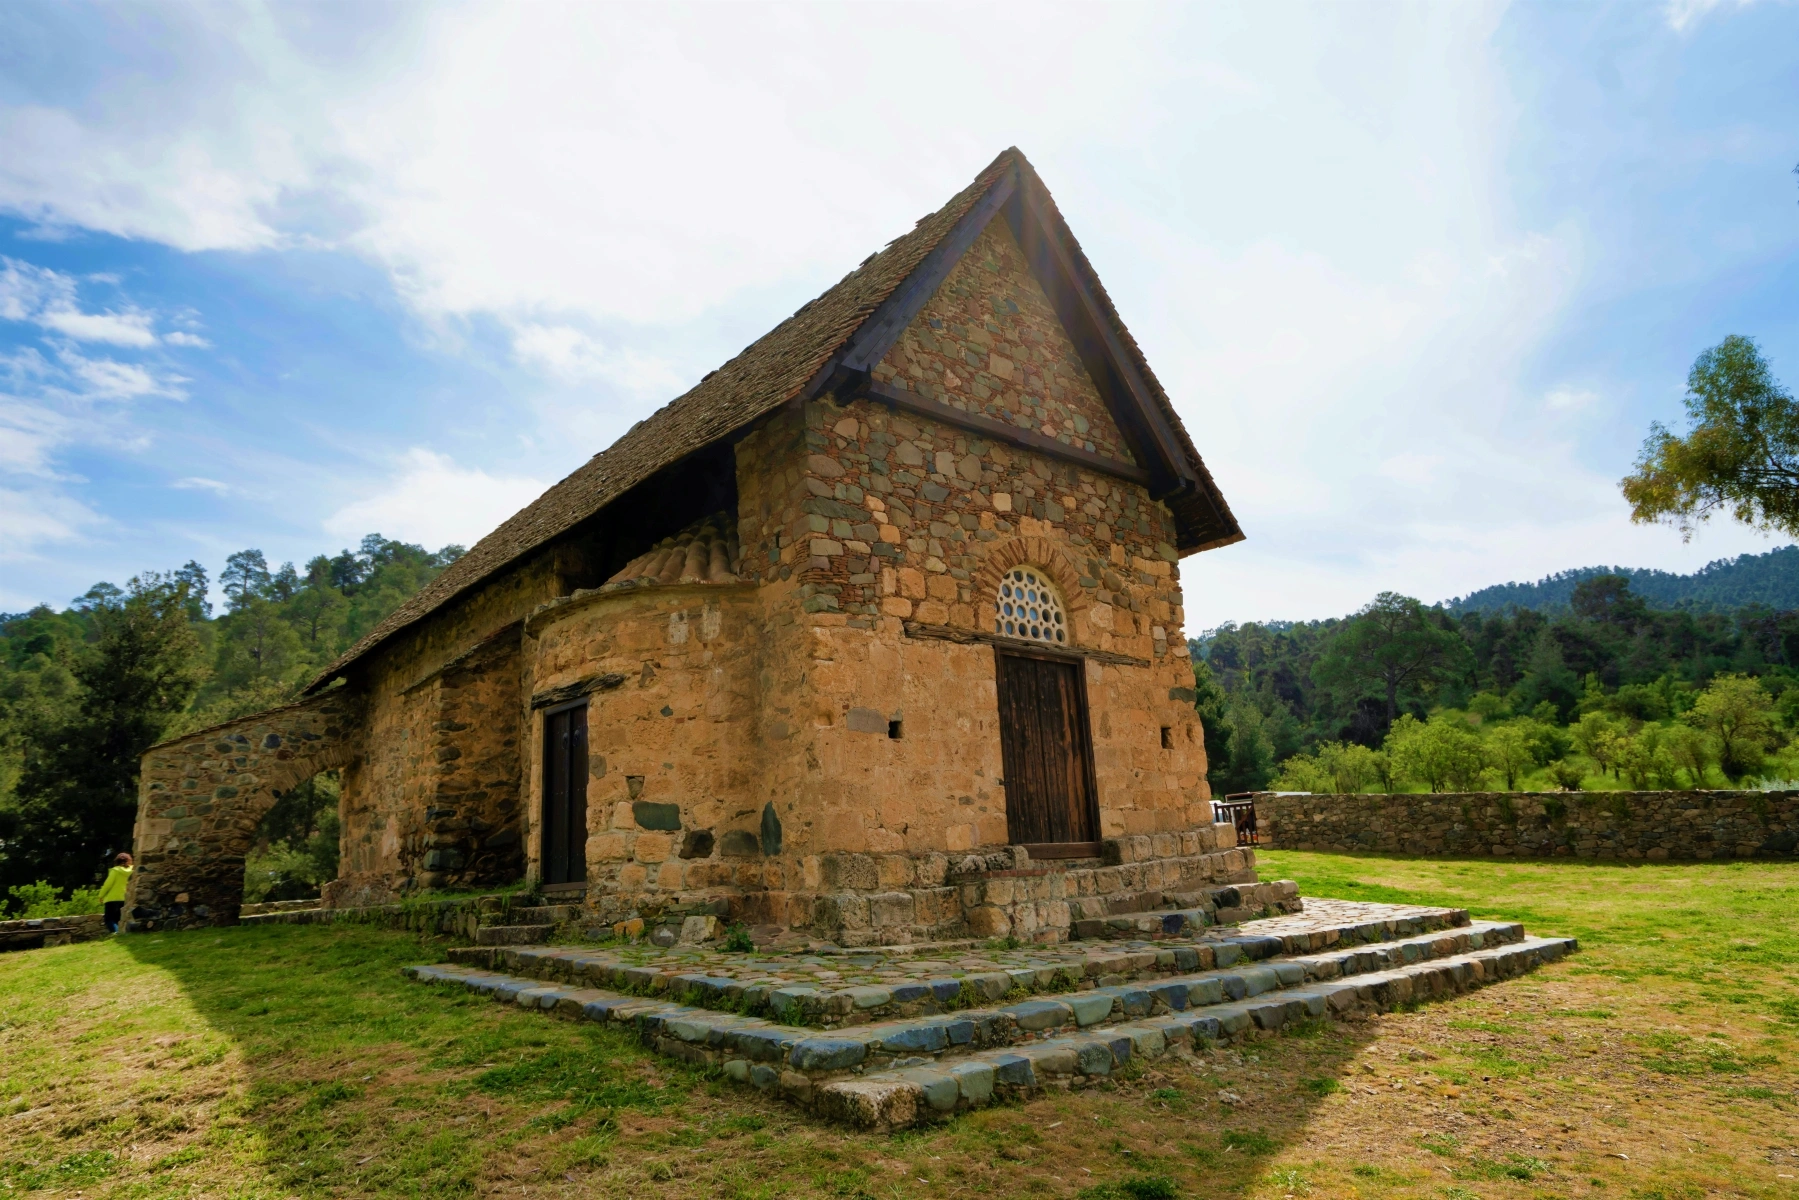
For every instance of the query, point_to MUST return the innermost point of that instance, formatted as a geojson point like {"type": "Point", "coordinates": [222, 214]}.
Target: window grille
{"type": "Point", "coordinates": [1030, 608]}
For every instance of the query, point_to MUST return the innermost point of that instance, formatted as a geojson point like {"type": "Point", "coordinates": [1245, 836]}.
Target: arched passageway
{"type": "Point", "coordinates": [201, 797]}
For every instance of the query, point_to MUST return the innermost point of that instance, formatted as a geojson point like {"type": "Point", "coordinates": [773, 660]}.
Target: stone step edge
{"type": "Point", "coordinates": [816, 1006]}
{"type": "Point", "coordinates": [918, 1089]}
{"type": "Point", "coordinates": [901, 1098]}
{"type": "Point", "coordinates": [838, 1048]}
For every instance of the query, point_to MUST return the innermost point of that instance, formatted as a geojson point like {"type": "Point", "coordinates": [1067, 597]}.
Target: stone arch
{"type": "Point", "coordinates": [1048, 558]}
{"type": "Point", "coordinates": [201, 797]}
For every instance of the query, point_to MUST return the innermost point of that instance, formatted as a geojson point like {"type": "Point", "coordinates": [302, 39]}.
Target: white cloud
{"type": "Point", "coordinates": [28, 435]}
{"type": "Point", "coordinates": [434, 502]}
{"type": "Point", "coordinates": [118, 329]}
{"type": "Point", "coordinates": [198, 483]}
{"type": "Point", "coordinates": [1683, 15]}
{"type": "Point", "coordinates": [29, 518]}
{"type": "Point", "coordinates": [105, 379]}
{"type": "Point", "coordinates": [1311, 226]}
{"type": "Point", "coordinates": [573, 357]}
{"type": "Point", "coordinates": [1568, 398]}
{"type": "Point", "coordinates": [48, 298]}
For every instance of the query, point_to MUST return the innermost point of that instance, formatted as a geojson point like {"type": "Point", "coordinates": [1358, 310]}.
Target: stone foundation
{"type": "Point", "coordinates": [899, 899]}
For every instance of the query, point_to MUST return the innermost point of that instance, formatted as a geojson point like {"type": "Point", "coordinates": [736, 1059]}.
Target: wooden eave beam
{"type": "Point", "coordinates": [1000, 431]}
{"type": "Point", "coordinates": [876, 335]}
{"type": "Point", "coordinates": [1107, 359]}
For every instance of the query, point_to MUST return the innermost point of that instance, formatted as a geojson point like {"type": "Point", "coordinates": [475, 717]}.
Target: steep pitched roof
{"type": "Point", "coordinates": [826, 344]}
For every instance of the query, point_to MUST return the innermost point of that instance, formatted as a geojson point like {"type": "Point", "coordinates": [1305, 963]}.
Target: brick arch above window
{"type": "Point", "coordinates": [1048, 560]}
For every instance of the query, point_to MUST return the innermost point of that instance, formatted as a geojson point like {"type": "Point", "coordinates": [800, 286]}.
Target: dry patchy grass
{"type": "Point", "coordinates": [1656, 1065]}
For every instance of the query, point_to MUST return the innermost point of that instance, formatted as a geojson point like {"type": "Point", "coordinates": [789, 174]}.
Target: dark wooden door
{"type": "Point", "coordinates": [1047, 751]}
{"type": "Point", "coordinates": [565, 795]}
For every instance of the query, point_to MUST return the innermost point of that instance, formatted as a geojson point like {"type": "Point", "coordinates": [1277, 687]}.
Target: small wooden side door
{"type": "Point", "coordinates": [1047, 749]}
{"type": "Point", "coordinates": [565, 795]}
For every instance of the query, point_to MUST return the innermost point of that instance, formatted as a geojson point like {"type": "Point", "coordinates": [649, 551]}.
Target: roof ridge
{"type": "Point", "coordinates": [767, 373]}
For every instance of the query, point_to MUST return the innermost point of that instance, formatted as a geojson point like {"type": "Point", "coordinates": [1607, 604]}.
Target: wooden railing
{"type": "Point", "coordinates": [1239, 810]}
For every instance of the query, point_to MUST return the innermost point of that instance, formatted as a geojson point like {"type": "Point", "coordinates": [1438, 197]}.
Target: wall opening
{"type": "Point", "coordinates": [1030, 607]}
{"type": "Point", "coordinates": [701, 484]}
{"type": "Point", "coordinates": [563, 847]}
{"type": "Point", "coordinates": [1167, 737]}
{"type": "Point", "coordinates": [294, 851]}
{"type": "Point", "coordinates": [896, 730]}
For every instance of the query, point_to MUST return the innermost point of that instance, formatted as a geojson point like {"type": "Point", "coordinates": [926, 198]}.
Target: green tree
{"type": "Point", "coordinates": [1442, 753]}
{"type": "Point", "coordinates": [1391, 644]}
{"type": "Point", "coordinates": [1211, 702]}
{"type": "Point", "coordinates": [1548, 680]}
{"type": "Point", "coordinates": [1690, 751]}
{"type": "Point", "coordinates": [1738, 714]}
{"type": "Point", "coordinates": [1646, 759]}
{"type": "Point", "coordinates": [1250, 755]}
{"type": "Point", "coordinates": [1512, 753]}
{"type": "Point", "coordinates": [1337, 767]}
{"type": "Point", "coordinates": [245, 577]}
{"type": "Point", "coordinates": [1608, 600]}
{"type": "Point", "coordinates": [1599, 737]}
{"type": "Point", "coordinates": [77, 792]}
{"type": "Point", "coordinates": [1740, 455]}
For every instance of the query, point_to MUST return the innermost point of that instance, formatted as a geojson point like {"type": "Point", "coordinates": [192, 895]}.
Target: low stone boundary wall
{"type": "Point", "coordinates": [50, 931]}
{"type": "Point", "coordinates": [1617, 825]}
{"type": "Point", "coordinates": [458, 916]}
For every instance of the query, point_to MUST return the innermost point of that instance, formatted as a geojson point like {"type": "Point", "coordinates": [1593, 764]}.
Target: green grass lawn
{"type": "Point", "coordinates": [1658, 1064]}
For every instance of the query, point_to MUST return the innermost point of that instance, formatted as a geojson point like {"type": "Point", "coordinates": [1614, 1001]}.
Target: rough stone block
{"type": "Point", "coordinates": [827, 1054]}
{"type": "Point", "coordinates": [989, 922]}
{"type": "Point", "coordinates": [889, 910]}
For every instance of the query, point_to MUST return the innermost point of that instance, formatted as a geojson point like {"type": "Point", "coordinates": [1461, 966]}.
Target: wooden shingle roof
{"type": "Point", "coordinates": [800, 357]}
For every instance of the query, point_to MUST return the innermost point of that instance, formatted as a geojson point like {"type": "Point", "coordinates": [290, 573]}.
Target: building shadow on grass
{"type": "Point", "coordinates": [357, 1080]}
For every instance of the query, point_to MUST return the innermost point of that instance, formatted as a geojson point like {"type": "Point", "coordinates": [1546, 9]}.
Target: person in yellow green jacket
{"type": "Point", "coordinates": [112, 892]}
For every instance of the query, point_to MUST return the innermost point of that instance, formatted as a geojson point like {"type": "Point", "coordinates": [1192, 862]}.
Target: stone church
{"type": "Point", "coordinates": [874, 635]}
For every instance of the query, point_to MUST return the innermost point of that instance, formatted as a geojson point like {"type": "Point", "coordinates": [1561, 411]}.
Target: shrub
{"type": "Point", "coordinates": [1342, 767]}
{"type": "Point", "coordinates": [1565, 775]}
{"type": "Point", "coordinates": [32, 901]}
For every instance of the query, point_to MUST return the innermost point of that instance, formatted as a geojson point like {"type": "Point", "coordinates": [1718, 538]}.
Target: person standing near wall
{"type": "Point", "coordinates": [112, 892]}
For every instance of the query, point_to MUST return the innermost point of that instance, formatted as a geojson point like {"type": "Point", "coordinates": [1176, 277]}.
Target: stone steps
{"type": "Point", "coordinates": [889, 991]}
{"type": "Point", "coordinates": [891, 1073]}
{"type": "Point", "coordinates": [899, 1098]}
{"type": "Point", "coordinates": [512, 935]}
{"type": "Point", "coordinates": [962, 1005]}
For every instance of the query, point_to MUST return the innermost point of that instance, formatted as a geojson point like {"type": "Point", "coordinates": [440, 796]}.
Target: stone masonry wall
{"type": "Point", "coordinates": [990, 342]}
{"type": "Point", "coordinates": [1604, 825]}
{"type": "Point", "coordinates": [436, 803]}
{"type": "Point", "coordinates": [677, 780]}
{"type": "Point", "coordinates": [889, 513]}
{"type": "Point", "coordinates": [737, 766]}
{"type": "Point", "coordinates": [201, 797]}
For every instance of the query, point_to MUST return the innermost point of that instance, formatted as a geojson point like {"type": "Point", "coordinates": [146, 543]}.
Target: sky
{"type": "Point", "coordinates": [1417, 277]}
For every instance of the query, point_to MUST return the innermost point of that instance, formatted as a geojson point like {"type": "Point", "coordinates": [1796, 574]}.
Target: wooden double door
{"type": "Point", "coordinates": [565, 795]}
{"type": "Point", "coordinates": [1052, 805]}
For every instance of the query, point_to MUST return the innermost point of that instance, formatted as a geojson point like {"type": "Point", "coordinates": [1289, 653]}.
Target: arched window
{"type": "Point", "coordinates": [1030, 608]}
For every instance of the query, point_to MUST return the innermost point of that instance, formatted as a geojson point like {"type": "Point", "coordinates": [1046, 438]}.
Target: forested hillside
{"type": "Point", "coordinates": [84, 691]}
{"type": "Point", "coordinates": [1605, 692]}
{"type": "Point", "coordinates": [1770, 580]}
